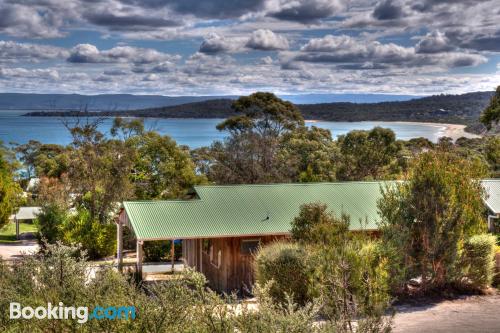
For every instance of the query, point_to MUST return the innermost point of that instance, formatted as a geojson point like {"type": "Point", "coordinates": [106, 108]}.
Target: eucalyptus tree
{"type": "Point", "coordinates": [491, 115]}
{"type": "Point", "coordinates": [9, 189]}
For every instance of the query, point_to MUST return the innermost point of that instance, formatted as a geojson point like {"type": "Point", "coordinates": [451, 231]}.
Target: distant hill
{"type": "Point", "coordinates": [459, 109]}
{"type": "Point", "coordinates": [51, 102]}
{"type": "Point", "coordinates": [110, 102]}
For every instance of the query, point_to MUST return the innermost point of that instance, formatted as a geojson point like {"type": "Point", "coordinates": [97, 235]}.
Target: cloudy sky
{"type": "Point", "coordinates": [217, 47]}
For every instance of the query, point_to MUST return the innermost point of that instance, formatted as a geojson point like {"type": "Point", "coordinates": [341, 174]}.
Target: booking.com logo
{"type": "Point", "coordinates": [81, 313]}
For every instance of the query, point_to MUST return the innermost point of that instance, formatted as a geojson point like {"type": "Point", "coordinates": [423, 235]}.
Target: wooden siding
{"type": "Point", "coordinates": [227, 269]}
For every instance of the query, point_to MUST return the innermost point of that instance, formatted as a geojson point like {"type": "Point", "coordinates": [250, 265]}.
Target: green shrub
{"type": "Point", "coordinates": [496, 279]}
{"type": "Point", "coordinates": [97, 239]}
{"type": "Point", "coordinates": [286, 265]}
{"type": "Point", "coordinates": [49, 223]}
{"type": "Point", "coordinates": [478, 260]}
{"type": "Point", "coordinates": [182, 304]}
{"type": "Point", "coordinates": [156, 251]}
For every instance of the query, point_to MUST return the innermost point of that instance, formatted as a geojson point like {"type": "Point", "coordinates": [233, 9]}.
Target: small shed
{"type": "Point", "coordinates": [24, 214]}
{"type": "Point", "coordinates": [223, 225]}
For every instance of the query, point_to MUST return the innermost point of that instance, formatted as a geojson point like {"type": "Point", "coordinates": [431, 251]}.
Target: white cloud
{"type": "Point", "coordinates": [265, 39]}
{"type": "Point", "coordinates": [215, 43]}
{"type": "Point", "coordinates": [11, 51]}
{"type": "Point", "coordinates": [18, 72]}
{"type": "Point", "coordinates": [434, 42]}
{"type": "Point", "coordinates": [369, 55]}
{"type": "Point", "coordinates": [88, 53]}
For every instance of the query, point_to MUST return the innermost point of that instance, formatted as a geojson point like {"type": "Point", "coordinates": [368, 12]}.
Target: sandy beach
{"type": "Point", "coordinates": [453, 131]}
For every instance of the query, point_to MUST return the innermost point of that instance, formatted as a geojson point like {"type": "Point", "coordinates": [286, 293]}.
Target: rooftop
{"type": "Point", "coordinates": [251, 210]}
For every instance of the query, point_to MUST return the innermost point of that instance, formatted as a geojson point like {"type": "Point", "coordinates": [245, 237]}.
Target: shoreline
{"type": "Point", "coordinates": [453, 131]}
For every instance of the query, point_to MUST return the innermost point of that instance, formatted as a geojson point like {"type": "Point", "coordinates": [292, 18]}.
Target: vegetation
{"type": "Point", "coordinates": [8, 232]}
{"type": "Point", "coordinates": [427, 219]}
{"type": "Point", "coordinates": [183, 304]}
{"type": "Point", "coordinates": [284, 266]}
{"type": "Point", "coordinates": [430, 231]}
{"type": "Point", "coordinates": [479, 261]}
{"type": "Point", "coordinates": [492, 113]}
{"type": "Point", "coordinates": [9, 190]}
{"type": "Point", "coordinates": [348, 272]}
{"type": "Point", "coordinates": [369, 154]}
{"type": "Point", "coordinates": [155, 251]}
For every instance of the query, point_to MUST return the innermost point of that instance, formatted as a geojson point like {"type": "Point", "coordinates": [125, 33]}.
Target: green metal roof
{"type": "Point", "coordinates": [251, 210]}
{"type": "Point", "coordinates": [492, 188]}
{"type": "Point", "coordinates": [248, 210]}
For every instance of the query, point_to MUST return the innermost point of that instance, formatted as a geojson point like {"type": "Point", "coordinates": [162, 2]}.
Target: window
{"type": "Point", "coordinates": [249, 246]}
{"type": "Point", "coordinates": [218, 262]}
{"type": "Point", "coordinates": [207, 244]}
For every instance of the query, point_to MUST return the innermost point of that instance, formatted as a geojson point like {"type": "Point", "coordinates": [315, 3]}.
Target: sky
{"type": "Point", "coordinates": [217, 47]}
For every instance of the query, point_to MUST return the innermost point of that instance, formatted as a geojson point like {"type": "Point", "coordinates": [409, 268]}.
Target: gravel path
{"type": "Point", "coordinates": [16, 250]}
{"type": "Point", "coordinates": [472, 314]}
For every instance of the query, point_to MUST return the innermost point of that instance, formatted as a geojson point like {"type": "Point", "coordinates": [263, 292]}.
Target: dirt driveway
{"type": "Point", "coordinates": [16, 250]}
{"type": "Point", "coordinates": [472, 314]}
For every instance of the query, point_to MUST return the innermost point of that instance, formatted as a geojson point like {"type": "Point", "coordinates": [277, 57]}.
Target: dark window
{"type": "Point", "coordinates": [249, 246]}
{"type": "Point", "coordinates": [206, 245]}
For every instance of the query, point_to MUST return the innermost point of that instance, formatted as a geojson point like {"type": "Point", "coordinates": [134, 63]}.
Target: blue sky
{"type": "Point", "coordinates": [214, 47]}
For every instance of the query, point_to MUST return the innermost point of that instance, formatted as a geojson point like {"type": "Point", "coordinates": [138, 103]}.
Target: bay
{"type": "Point", "coordinates": [195, 132]}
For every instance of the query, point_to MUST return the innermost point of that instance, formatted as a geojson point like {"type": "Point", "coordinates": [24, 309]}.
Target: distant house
{"type": "Point", "coordinates": [223, 225]}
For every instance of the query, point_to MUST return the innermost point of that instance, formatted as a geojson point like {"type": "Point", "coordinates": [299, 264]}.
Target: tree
{"type": "Point", "coordinates": [368, 155]}
{"type": "Point", "coordinates": [9, 190]}
{"type": "Point", "coordinates": [263, 113]}
{"type": "Point", "coordinates": [161, 168]}
{"type": "Point", "coordinates": [99, 171]}
{"type": "Point", "coordinates": [492, 113]}
{"type": "Point", "coordinates": [27, 154]}
{"type": "Point", "coordinates": [313, 218]}
{"type": "Point", "coordinates": [349, 272]}
{"type": "Point", "coordinates": [492, 152]}
{"type": "Point", "coordinates": [310, 154]}
{"type": "Point", "coordinates": [427, 219]}
{"type": "Point", "coordinates": [250, 153]}
{"type": "Point", "coordinates": [49, 160]}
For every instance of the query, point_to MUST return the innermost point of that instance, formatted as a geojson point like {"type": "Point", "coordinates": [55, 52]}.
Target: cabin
{"type": "Point", "coordinates": [222, 226]}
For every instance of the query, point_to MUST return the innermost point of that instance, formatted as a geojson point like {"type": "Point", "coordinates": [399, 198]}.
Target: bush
{"type": "Point", "coordinates": [479, 260]}
{"type": "Point", "coordinates": [349, 271]}
{"type": "Point", "coordinates": [286, 265]}
{"type": "Point", "coordinates": [312, 217]}
{"type": "Point", "coordinates": [97, 239]}
{"type": "Point", "coordinates": [155, 251]}
{"type": "Point", "coordinates": [496, 280]}
{"type": "Point", "coordinates": [428, 218]}
{"type": "Point", "coordinates": [182, 304]}
{"type": "Point", "coordinates": [49, 223]}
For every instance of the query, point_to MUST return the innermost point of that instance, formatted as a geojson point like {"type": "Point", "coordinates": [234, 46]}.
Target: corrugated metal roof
{"type": "Point", "coordinates": [250, 210]}
{"type": "Point", "coordinates": [26, 213]}
{"type": "Point", "coordinates": [492, 188]}
{"type": "Point", "coordinates": [240, 210]}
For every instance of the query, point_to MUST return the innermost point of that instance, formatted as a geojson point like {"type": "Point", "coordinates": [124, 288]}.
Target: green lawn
{"type": "Point", "coordinates": [8, 233]}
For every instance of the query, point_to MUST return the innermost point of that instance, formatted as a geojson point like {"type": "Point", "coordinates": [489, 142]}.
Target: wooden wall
{"type": "Point", "coordinates": [222, 261]}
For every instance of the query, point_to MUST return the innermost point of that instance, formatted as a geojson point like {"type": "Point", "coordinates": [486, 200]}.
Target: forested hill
{"type": "Point", "coordinates": [463, 109]}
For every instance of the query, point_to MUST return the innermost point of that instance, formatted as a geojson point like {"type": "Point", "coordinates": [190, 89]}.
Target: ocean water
{"type": "Point", "coordinates": [192, 132]}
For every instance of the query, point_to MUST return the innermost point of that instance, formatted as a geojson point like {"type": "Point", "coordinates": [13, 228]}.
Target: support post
{"type": "Point", "coordinates": [139, 259]}
{"type": "Point", "coordinates": [491, 225]}
{"type": "Point", "coordinates": [172, 255]}
{"type": "Point", "coordinates": [17, 227]}
{"type": "Point", "coordinates": [119, 244]}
